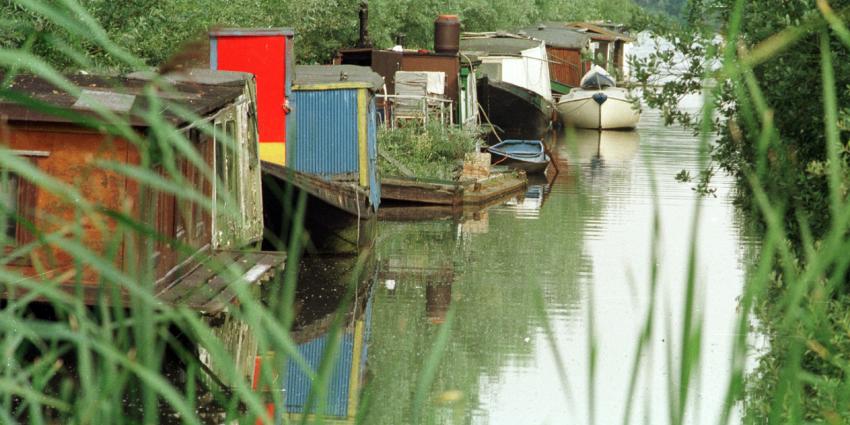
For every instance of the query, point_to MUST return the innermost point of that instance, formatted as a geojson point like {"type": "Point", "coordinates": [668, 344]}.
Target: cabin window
{"type": "Point", "coordinates": [253, 155]}
{"type": "Point", "coordinates": [9, 196]}
{"type": "Point", "coordinates": [17, 207]}
{"type": "Point", "coordinates": [227, 164]}
{"type": "Point", "coordinates": [232, 163]}
{"type": "Point", "coordinates": [219, 160]}
{"type": "Point", "coordinates": [18, 197]}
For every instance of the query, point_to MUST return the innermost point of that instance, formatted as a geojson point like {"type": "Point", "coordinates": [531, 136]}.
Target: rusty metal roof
{"type": "Point", "coordinates": [33, 99]}
{"type": "Point", "coordinates": [599, 32]}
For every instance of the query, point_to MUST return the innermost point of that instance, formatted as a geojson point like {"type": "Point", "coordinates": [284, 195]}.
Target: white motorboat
{"type": "Point", "coordinates": [598, 104]}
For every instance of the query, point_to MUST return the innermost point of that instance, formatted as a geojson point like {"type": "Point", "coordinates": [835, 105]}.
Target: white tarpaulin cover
{"type": "Point", "coordinates": [420, 83]}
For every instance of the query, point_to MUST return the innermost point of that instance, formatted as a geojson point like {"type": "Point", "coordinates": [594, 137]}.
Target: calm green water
{"type": "Point", "coordinates": [581, 245]}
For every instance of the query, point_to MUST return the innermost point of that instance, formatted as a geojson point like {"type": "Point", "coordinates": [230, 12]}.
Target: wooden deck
{"type": "Point", "coordinates": [209, 288]}
{"type": "Point", "coordinates": [457, 213]}
{"type": "Point", "coordinates": [442, 192]}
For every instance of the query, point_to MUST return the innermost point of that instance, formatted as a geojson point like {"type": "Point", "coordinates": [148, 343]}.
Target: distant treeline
{"type": "Point", "coordinates": [155, 30]}
{"type": "Point", "coordinates": [673, 8]}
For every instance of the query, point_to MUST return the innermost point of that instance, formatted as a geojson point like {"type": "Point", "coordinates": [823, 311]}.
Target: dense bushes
{"type": "Point", "coordinates": [782, 78]}
{"type": "Point", "coordinates": [155, 29]}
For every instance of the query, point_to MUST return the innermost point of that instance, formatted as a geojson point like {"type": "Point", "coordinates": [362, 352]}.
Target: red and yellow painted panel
{"type": "Point", "coordinates": [266, 53]}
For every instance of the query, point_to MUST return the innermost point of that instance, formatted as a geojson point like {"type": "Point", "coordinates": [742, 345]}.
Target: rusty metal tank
{"type": "Point", "coordinates": [447, 34]}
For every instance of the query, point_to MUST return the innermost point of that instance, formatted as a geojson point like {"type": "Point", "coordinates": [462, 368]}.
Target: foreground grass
{"type": "Point", "coordinates": [68, 363]}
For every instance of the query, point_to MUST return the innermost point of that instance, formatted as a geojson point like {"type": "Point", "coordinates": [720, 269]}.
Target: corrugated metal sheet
{"type": "Point", "coordinates": [372, 146]}
{"type": "Point", "coordinates": [326, 132]}
{"type": "Point", "coordinates": [326, 139]}
{"type": "Point", "coordinates": [297, 385]}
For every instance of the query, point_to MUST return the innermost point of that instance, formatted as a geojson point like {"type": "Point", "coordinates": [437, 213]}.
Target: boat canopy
{"type": "Point", "coordinates": [597, 78]}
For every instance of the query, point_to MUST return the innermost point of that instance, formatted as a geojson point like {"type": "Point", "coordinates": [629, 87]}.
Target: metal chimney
{"type": "Point", "coordinates": [364, 41]}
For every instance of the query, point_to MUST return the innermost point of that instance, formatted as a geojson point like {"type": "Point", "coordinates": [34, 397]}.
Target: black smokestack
{"type": "Point", "coordinates": [364, 41]}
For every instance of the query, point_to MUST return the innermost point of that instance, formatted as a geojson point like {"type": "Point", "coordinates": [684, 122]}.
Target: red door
{"type": "Point", "coordinates": [267, 54]}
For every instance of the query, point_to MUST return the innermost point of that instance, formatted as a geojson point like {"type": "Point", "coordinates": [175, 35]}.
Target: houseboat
{"type": "Point", "coordinates": [333, 157]}
{"type": "Point", "coordinates": [320, 128]}
{"type": "Point", "coordinates": [93, 140]}
{"type": "Point", "coordinates": [443, 58]}
{"type": "Point", "coordinates": [514, 89]}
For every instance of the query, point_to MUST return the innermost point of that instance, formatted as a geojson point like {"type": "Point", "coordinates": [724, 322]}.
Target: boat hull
{"type": "Point", "coordinates": [579, 109]}
{"type": "Point", "coordinates": [527, 155]}
{"type": "Point", "coordinates": [515, 112]}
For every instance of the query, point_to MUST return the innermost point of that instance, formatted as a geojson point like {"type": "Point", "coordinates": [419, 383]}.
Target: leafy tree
{"type": "Point", "coordinates": [771, 134]}
{"type": "Point", "coordinates": [155, 30]}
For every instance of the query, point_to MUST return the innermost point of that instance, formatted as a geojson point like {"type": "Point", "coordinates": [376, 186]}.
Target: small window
{"type": "Point", "coordinates": [9, 196]}
{"type": "Point", "coordinates": [253, 155]}
{"type": "Point", "coordinates": [220, 151]}
{"type": "Point", "coordinates": [232, 163]}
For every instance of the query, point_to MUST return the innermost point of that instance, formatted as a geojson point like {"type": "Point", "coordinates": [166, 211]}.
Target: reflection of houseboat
{"type": "Point", "coordinates": [565, 48]}
{"type": "Point", "coordinates": [514, 89]}
{"type": "Point", "coordinates": [316, 336]}
{"type": "Point", "coordinates": [598, 147]}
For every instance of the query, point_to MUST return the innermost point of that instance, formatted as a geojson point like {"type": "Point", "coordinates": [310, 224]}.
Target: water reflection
{"type": "Point", "coordinates": [528, 205]}
{"type": "Point", "coordinates": [575, 239]}
{"type": "Point", "coordinates": [571, 255]}
{"type": "Point", "coordinates": [598, 147]}
{"type": "Point", "coordinates": [333, 318]}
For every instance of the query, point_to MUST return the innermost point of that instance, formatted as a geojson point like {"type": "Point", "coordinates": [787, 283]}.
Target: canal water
{"type": "Point", "coordinates": [527, 288]}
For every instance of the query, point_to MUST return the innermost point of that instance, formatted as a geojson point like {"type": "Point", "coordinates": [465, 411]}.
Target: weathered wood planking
{"type": "Point", "coordinates": [448, 193]}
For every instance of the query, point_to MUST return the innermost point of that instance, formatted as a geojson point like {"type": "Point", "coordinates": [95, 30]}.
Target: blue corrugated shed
{"type": "Point", "coordinates": [326, 132]}
{"type": "Point", "coordinates": [336, 126]}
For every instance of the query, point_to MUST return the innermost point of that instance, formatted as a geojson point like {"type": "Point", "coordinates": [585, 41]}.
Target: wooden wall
{"type": "Point", "coordinates": [70, 154]}
{"type": "Point", "coordinates": [565, 66]}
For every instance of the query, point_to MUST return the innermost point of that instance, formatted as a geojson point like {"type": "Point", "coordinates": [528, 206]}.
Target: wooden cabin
{"type": "Point", "coordinates": [608, 43]}
{"type": "Point", "coordinates": [214, 222]}
{"type": "Point", "coordinates": [565, 48]}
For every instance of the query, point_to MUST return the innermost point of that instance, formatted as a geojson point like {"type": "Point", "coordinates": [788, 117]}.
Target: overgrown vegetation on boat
{"type": "Point", "coordinates": [425, 151]}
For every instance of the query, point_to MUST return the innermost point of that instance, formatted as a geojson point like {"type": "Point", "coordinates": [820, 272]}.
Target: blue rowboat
{"type": "Point", "coordinates": [528, 155]}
